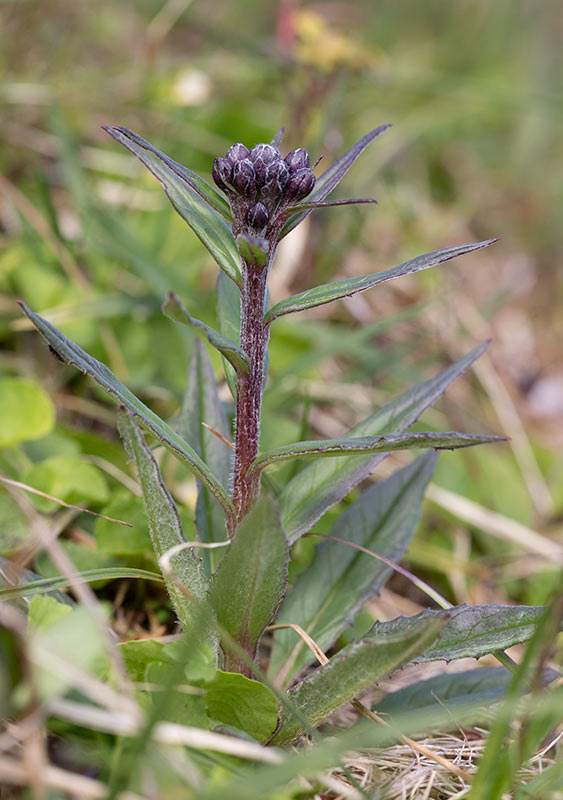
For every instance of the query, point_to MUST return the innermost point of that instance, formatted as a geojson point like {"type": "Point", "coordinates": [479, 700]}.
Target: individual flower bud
{"type": "Point", "coordinates": [266, 153]}
{"type": "Point", "coordinates": [277, 173]}
{"type": "Point", "coordinates": [297, 159]}
{"type": "Point", "coordinates": [244, 179]}
{"type": "Point", "coordinates": [222, 173]}
{"type": "Point", "coordinates": [299, 185]}
{"type": "Point", "coordinates": [258, 217]}
{"type": "Point", "coordinates": [237, 152]}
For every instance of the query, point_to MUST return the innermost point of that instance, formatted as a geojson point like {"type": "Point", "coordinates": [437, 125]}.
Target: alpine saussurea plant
{"type": "Point", "coordinates": [232, 584]}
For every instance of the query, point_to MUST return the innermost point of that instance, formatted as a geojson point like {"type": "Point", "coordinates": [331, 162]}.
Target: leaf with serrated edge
{"type": "Point", "coordinates": [350, 672]}
{"type": "Point", "coordinates": [470, 631]}
{"type": "Point", "coordinates": [328, 292]}
{"type": "Point", "coordinates": [327, 481]}
{"type": "Point", "coordinates": [251, 580]}
{"type": "Point", "coordinates": [73, 354]}
{"type": "Point", "coordinates": [164, 524]}
{"type": "Point", "coordinates": [175, 310]}
{"type": "Point", "coordinates": [341, 579]}
{"type": "Point", "coordinates": [331, 448]}
{"type": "Point", "coordinates": [201, 404]}
{"type": "Point", "coordinates": [331, 177]}
{"type": "Point", "coordinates": [196, 201]}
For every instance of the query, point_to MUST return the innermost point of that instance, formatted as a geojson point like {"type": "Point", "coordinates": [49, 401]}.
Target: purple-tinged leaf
{"type": "Point", "coordinates": [326, 182]}
{"type": "Point", "coordinates": [205, 211]}
{"type": "Point", "coordinates": [277, 140]}
{"type": "Point", "coordinates": [327, 204]}
{"type": "Point", "coordinates": [175, 310]}
{"type": "Point", "coordinates": [329, 448]}
{"type": "Point", "coordinates": [319, 295]}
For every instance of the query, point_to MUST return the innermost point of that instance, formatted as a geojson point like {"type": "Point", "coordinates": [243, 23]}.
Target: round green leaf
{"type": "Point", "coordinates": [27, 411]}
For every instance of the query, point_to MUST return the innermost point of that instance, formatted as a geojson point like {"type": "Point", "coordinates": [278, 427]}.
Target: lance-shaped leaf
{"type": "Point", "coordinates": [228, 319]}
{"type": "Point", "coordinates": [470, 631]}
{"type": "Point", "coordinates": [164, 524]}
{"type": "Point", "coordinates": [205, 211]}
{"type": "Point", "coordinates": [329, 448]}
{"type": "Point", "coordinates": [175, 309]}
{"type": "Point", "coordinates": [201, 405]}
{"type": "Point", "coordinates": [73, 354]}
{"type": "Point", "coordinates": [251, 580]}
{"type": "Point", "coordinates": [331, 177]}
{"type": "Point", "coordinates": [340, 579]}
{"type": "Point", "coordinates": [351, 671]}
{"type": "Point", "coordinates": [326, 481]}
{"type": "Point", "coordinates": [319, 295]}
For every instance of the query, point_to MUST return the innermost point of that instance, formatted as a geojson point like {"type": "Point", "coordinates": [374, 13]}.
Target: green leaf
{"type": "Point", "coordinates": [205, 210]}
{"type": "Point", "coordinates": [319, 295]}
{"type": "Point", "coordinates": [43, 612]}
{"type": "Point", "coordinates": [253, 249]}
{"type": "Point", "coordinates": [331, 177]}
{"type": "Point", "coordinates": [48, 585]}
{"type": "Point", "coordinates": [327, 481]}
{"type": "Point", "coordinates": [351, 671]}
{"type": "Point", "coordinates": [68, 477]}
{"type": "Point", "coordinates": [329, 448]}
{"type": "Point", "coordinates": [469, 632]}
{"type": "Point", "coordinates": [482, 686]}
{"type": "Point", "coordinates": [27, 411]}
{"type": "Point", "coordinates": [164, 525]}
{"type": "Point", "coordinates": [138, 654]}
{"type": "Point", "coordinates": [228, 318]}
{"type": "Point", "coordinates": [341, 579]}
{"type": "Point", "coordinates": [245, 704]}
{"type": "Point", "coordinates": [72, 354]}
{"type": "Point", "coordinates": [175, 309]}
{"type": "Point", "coordinates": [119, 540]}
{"type": "Point", "coordinates": [544, 785]}
{"type": "Point", "coordinates": [251, 580]}
{"type": "Point", "coordinates": [201, 404]}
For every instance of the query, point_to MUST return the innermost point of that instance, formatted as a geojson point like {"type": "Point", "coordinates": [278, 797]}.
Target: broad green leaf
{"type": "Point", "coordinates": [331, 177]}
{"type": "Point", "coordinates": [43, 612]}
{"type": "Point", "coordinates": [327, 481]}
{"type": "Point", "coordinates": [341, 579]}
{"type": "Point", "coordinates": [175, 309]}
{"type": "Point", "coordinates": [228, 319]}
{"type": "Point", "coordinates": [240, 702]}
{"type": "Point", "coordinates": [14, 526]}
{"type": "Point", "coordinates": [72, 354]}
{"type": "Point", "coordinates": [482, 686]}
{"type": "Point", "coordinates": [205, 210]}
{"type": "Point", "coordinates": [251, 580]}
{"type": "Point", "coordinates": [201, 404]}
{"type": "Point", "coordinates": [351, 671]}
{"type": "Point", "coordinates": [319, 295]}
{"type": "Point", "coordinates": [27, 411]}
{"type": "Point", "coordinates": [70, 478]}
{"type": "Point", "coordinates": [469, 632]}
{"type": "Point", "coordinates": [119, 540]}
{"type": "Point", "coordinates": [49, 585]}
{"type": "Point", "coordinates": [164, 525]}
{"type": "Point", "coordinates": [329, 448]}
{"type": "Point", "coordinates": [138, 654]}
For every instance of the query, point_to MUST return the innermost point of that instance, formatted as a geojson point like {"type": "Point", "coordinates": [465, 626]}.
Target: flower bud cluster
{"type": "Point", "coordinates": [261, 183]}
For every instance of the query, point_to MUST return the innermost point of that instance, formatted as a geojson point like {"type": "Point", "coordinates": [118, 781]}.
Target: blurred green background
{"type": "Point", "coordinates": [473, 90]}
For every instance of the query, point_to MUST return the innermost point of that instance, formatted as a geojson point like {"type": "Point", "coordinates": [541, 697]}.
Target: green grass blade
{"type": "Point", "coordinates": [43, 585]}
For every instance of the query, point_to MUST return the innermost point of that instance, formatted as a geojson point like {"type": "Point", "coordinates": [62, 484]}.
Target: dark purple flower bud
{"type": "Point", "coordinates": [266, 153]}
{"type": "Point", "coordinates": [258, 217]}
{"type": "Point", "coordinates": [222, 173]}
{"type": "Point", "coordinates": [299, 185]}
{"type": "Point", "coordinates": [237, 152]}
{"type": "Point", "coordinates": [297, 159]}
{"type": "Point", "coordinates": [277, 174]}
{"type": "Point", "coordinates": [244, 179]}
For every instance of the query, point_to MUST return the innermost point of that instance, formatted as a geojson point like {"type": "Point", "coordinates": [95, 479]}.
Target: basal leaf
{"type": "Point", "coordinates": [201, 404]}
{"type": "Point", "coordinates": [251, 580]}
{"type": "Point", "coordinates": [164, 525]}
{"type": "Point", "coordinates": [326, 182]}
{"type": "Point", "coordinates": [205, 211]}
{"type": "Point", "coordinates": [240, 702]}
{"type": "Point", "coordinates": [319, 295]}
{"type": "Point", "coordinates": [340, 579]}
{"type": "Point", "coordinates": [351, 671]}
{"type": "Point", "coordinates": [330, 448]}
{"type": "Point", "coordinates": [175, 309]}
{"type": "Point", "coordinates": [469, 632]}
{"type": "Point", "coordinates": [326, 481]}
{"type": "Point", "coordinates": [27, 411]}
{"type": "Point", "coordinates": [73, 354]}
